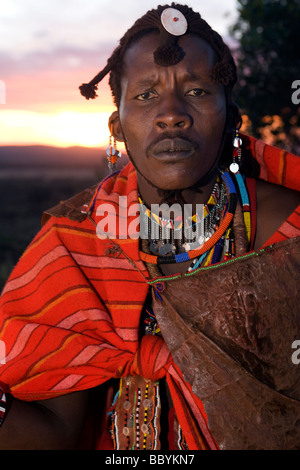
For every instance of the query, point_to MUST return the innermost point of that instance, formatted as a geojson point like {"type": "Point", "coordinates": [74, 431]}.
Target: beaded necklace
{"type": "Point", "coordinates": [183, 233]}
{"type": "Point", "coordinates": [177, 223]}
{"type": "Point", "coordinates": [209, 243]}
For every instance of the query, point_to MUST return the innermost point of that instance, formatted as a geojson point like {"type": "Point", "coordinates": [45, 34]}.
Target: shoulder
{"type": "Point", "coordinates": [74, 208]}
{"type": "Point", "coordinates": [70, 208]}
{"type": "Point", "coordinates": [274, 205]}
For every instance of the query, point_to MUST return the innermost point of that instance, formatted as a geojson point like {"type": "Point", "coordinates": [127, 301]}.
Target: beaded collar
{"type": "Point", "coordinates": [210, 242]}
{"type": "Point", "coordinates": [184, 232]}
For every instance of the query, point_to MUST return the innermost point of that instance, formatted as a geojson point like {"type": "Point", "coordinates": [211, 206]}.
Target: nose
{"type": "Point", "coordinates": [172, 115]}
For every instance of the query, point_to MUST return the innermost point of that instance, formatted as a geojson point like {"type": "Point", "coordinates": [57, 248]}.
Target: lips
{"type": "Point", "coordinates": [172, 149]}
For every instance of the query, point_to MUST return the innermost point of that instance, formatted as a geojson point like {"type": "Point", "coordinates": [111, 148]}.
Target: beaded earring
{"type": "Point", "coordinates": [112, 152]}
{"type": "Point", "coordinates": [237, 153]}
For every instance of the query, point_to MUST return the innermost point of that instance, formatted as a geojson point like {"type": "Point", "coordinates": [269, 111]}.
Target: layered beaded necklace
{"type": "Point", "coordinates": [183, 233]}
{"type": "Point", "coordinates": [212, 233]}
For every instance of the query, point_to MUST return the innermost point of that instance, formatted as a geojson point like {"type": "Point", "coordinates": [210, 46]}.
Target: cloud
{"type": "Point", "coordinates": [48, 48]}
{"type": "Point", "coordinates": [46, 44]}
{"type": "Point", "coordinates": [58, 59]}
{"type": "Point", "coordinates": [42, 35]}
{"type": "Point", "coordinates": [50, 80]}
{"type": "Point", "coordinates": [27, 25]}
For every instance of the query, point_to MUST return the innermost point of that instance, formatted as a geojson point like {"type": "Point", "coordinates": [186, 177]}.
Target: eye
{"type": "Point", "coordinates": [196, 92]}
{"type": "Point", "coordinates": [147, 96]}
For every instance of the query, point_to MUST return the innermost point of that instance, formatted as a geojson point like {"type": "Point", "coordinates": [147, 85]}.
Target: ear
{"type": "Point", "coordinates": [115, 128]}
{"type": "Point", "coordinates": [234, 119]}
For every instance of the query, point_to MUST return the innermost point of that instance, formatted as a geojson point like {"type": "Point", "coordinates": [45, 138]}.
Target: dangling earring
{"type": "Point", "coordinates": [237, 153]}
{"type": "Point", "coordinates": [112, 152]}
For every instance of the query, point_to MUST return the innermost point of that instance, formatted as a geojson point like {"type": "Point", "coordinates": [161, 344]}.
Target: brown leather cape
{"type": "Point", "coordinates": [230, 328]}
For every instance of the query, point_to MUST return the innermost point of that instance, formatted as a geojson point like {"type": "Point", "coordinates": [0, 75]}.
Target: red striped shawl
{"type": "Point", "coordinates": [70, 310]}
{"type": "Point", "coordinates": [279, 167]}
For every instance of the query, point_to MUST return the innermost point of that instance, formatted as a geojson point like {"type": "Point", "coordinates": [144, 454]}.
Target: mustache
{"type": "Point", "coordinates": [169, 141]}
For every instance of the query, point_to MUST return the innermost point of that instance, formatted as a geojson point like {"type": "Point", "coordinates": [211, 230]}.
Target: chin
{"type": "Point", "coordinates": [172, 187]}
{"type": "Point", "coordinates": [177, 184]}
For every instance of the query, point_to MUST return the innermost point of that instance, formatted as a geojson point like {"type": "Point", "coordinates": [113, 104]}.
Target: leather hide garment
{"type": "Point", "coordinates": [230, 329]}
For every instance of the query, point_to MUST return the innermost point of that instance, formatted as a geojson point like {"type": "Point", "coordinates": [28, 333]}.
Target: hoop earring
{"type": "Point", "coordinates": [237, 153]}
{"type": "Point", "coordinates": [112, 152]}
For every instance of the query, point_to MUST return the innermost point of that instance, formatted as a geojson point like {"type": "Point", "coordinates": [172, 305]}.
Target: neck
{"type": "Point", "coordinates": [199, 194]}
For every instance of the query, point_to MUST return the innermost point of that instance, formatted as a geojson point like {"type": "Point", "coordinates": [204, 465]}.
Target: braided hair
{"type": "Point", "coordinates": [168, 53]}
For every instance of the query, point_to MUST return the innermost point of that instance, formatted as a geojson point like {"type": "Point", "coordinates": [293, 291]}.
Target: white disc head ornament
{"type": "Point", "coordinates": [174, 21]}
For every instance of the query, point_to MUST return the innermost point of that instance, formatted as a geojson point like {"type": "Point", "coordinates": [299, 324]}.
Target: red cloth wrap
{"type": "Point", "coordinates": [70, 311]}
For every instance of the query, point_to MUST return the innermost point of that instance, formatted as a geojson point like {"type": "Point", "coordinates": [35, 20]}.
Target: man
{"type": "Point", "coordinates": [181, 357]}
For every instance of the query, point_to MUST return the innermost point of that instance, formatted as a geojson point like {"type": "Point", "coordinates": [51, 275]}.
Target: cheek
{"type": "Point", "coordinates": [136, 131]}
{"type": "Point", "coordinates": [215, 116]}
{"type": "Point", "coordinates": [221, 115]}
{"type": "Point", "coordinates": [211, 124]}
{"type": "Point", "coordinates": [131, 126]}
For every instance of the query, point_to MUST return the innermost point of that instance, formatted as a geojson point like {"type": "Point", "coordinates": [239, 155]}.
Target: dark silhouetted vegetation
{"type": "Point", "coordinates": [268, 37]}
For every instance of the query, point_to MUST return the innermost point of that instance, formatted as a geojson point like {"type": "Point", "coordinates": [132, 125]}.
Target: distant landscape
{"type": "Point", "coordinates": [41, 156]}
{"type": "Point", "coordinates": [33, 179]}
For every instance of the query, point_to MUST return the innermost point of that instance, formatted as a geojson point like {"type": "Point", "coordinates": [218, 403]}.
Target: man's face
{"type": "Point", "coordinates": [172, 118]}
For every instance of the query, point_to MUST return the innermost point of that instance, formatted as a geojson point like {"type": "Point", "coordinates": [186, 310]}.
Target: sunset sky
{"type": "Point", "coordinates": [49, 47]}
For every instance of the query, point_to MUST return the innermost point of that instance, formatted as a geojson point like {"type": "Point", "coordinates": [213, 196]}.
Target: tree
{"type": "Point", "coordinates": [268, 58]}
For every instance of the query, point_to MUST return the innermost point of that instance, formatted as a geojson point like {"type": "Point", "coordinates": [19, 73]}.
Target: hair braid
{"type": "Point", "coordinates": [168, 52]}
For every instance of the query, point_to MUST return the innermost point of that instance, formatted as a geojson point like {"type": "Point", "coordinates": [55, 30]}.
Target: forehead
{"type": "Point", "coordinates": [199, 56]}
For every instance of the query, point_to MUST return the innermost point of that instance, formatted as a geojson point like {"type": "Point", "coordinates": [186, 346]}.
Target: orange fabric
{"type": "Point", "coordinates": [70, 311]}
{"type": "Point", "coordinates": [276, 166]}
{"type": "Point", "coordinates": [282, 168]}
{"type": "Point", "coordinates": [70, 315]}
{"type": "Point", "coordinates": [151, 360]}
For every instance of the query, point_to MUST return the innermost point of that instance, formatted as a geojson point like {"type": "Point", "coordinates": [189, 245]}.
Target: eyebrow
{"type": "Point", "coordinates": [147, 81]}
{"type": "Point", "coordinates": [188, 75]}
{"type": "Point", "coordinates": [152, 80]}
{"type": "Point", "coordinates": [194, 77]}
